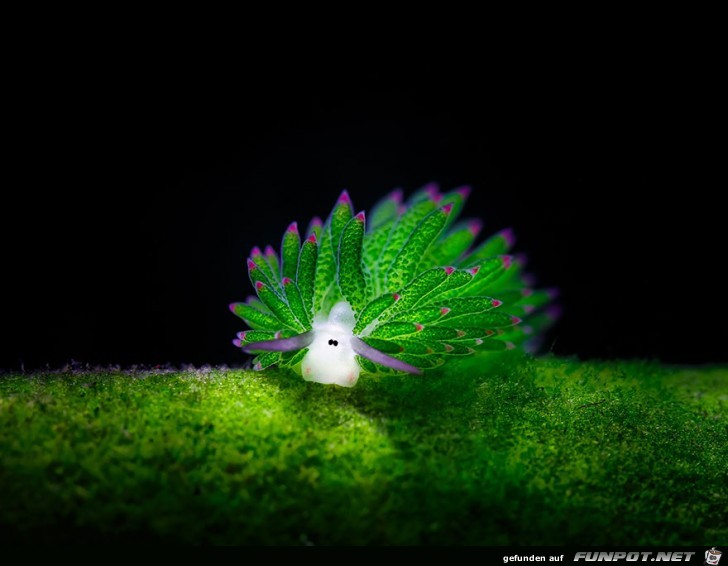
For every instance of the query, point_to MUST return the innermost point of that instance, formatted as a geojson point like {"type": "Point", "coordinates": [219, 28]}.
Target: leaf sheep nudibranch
{"type": "Point", "coordinates": [399, 291]}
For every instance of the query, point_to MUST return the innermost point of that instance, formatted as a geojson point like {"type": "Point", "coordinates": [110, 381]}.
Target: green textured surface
{"type": "Point", "coordinates": [350, 275]}
{"type": "Point", "coordinates": [409, 257]}
{"type": "Point", "coordinates": [255, 318]}
{"type": "Point", "coordinates": [279, 307]}
{"type": "Point", "coordinates": [502, 451]}
{"type": "Point", "coordinates": [290, 248]}
{"type": "Point", "coordinates": [306, 273]}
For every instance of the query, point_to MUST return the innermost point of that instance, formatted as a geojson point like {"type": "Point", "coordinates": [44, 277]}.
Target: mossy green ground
{"type": "Point", "coordinates": [518, 451]}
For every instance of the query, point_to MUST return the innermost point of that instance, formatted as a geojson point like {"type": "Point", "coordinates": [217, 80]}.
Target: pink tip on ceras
{"type": "Point", "coordinates": [474, 270]}
{"type": "Point", "coordinates": [287, 281]}
{"type": "Point", "coordinates": [237, 343]}
{"type": "Point", "coordinates": [419, 327]}
{"type": "Point", "coordinates": [292, 227]}
{"type": "Point", "coordinates": [515, 320]}
{"type": "Point", "coordinates": [269, 250]}
{"type": "Point", "coordinates": [554, 312]}
{"type": "Point", "coordinates": [361, 217]}
{"type": "Point", "coordinates": [507, 261]}
{"type": "Point", "coordinates": [432, 190]}
{"type": "Point", "coordinates": [509, 236]}
{"type": "Point", "coordinates": [475, 226]}
{"type": "Point", "coordinates": [447, 209]}
{"type": "Point", "coordinates": [528, 309]}
{"type": "Point", "coordinates": [495, 303]}
{"type": "Point", "coordinates": [259, 285]}
{"type": "Point", "coordinates": [251, 264]}
{"type": "Point", "coordinates": [528, 280]}
{"type": "Point", "coordinates": [344, 198]}
{"type": "Point", "coordinates": [312, 238]}
{"type": "Point", "coordinates": [510, 345]}
{"type": "Point", "coordinates": [255, 251]}
{"type": "Point", "coordinates": [464, 191]}
{"type": "Point", "coordinates": [521, 259]}
{"type": "Point", "coordinates": [461, 333]}
{"type": "Point", "coordinates": [449, 270]}
{"type": "Point", "coordinates": [396, 195]}
{"type": "Point", "coordinates": [444, 311]}
{"type": "Point", "coordinates": [396, 297]}
{"type": "Point", "coordinates": [316, 221]}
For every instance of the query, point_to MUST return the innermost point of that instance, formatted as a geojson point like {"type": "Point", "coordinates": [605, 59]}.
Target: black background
{"type": "Point", "coordinates": [137, 185]}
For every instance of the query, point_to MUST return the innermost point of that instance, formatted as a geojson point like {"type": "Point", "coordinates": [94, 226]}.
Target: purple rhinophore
{"type": "Point", "coordinates": [298, 342]}
{"type": "Point", "coordinates": [372, 354]}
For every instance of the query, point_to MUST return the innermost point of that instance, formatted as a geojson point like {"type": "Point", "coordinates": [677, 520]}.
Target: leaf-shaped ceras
{"type": "Point", "coordinates": [401, 294]}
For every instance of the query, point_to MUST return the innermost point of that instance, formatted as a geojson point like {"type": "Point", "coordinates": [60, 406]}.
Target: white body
{"type": "Point", "coordinates": [330, 357]}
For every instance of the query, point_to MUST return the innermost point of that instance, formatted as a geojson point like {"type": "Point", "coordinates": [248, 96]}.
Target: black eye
{"type": "Point", "coordinates": [333, 342]}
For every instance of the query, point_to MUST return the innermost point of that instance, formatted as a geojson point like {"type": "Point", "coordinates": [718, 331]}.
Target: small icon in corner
{"type": "Point", "coordinates": [712, 556]}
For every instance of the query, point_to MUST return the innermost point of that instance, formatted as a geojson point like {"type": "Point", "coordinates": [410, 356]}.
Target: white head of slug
{"type": "Point", "coordinates": [330, 357]}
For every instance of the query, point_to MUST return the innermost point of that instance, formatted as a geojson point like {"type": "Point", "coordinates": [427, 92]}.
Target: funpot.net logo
{"type": "Point", "coordinates": [635, 556]}
{"type": "Point", "coordinates": [712, 556]}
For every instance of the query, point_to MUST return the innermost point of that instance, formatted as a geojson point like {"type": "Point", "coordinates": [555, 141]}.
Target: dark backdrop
{"type": "Point", "coordinates": [139, 188]}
